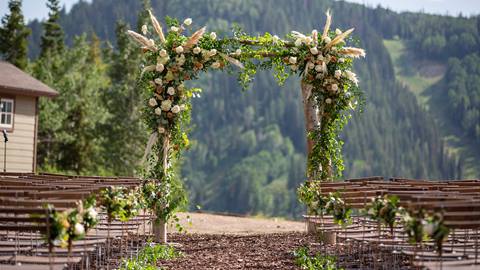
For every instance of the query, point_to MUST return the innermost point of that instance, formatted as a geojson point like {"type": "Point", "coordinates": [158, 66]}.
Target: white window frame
{"type": "Point", "coordinates": [12, 101]}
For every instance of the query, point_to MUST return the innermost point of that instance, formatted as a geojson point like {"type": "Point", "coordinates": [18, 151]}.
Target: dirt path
{"type": "Point", "coordinates": [264, 251]}
{"type": "Point", "coordinates": [223, 224]}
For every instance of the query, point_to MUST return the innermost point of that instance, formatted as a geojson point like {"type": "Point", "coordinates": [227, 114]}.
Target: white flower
{"type": "Point", "coordinates": [213, 35]}
{"type": "Point", "coordinates": [79, 229]}
{"type": "Point", "coordinates": [161, 130]}
{"type": "Point", "coordinates": [275, 38]}
{"type": "Point", "coordinates": [327, 40]}
{"type": "Point", "coordinates": [176, 109]}
{"type": "Point", "coordinates": [187, 21]}
{"type": "Point", "coordinates": [320, 57]}
{"type": "Point", "coordinates": [215, 65]}
{"type": "Point", "coordinates": [179, 49]}
{"type": "Point", "coordinates": [292, 60]}
{"type": "Point", "coordinates": [197, 50]}
{"type": "Point", "coordinates": [318, 68]}
{"type": "Point", "coordinates": [308, 40]}
{"type": "Point", "coordinates": [429, 228]}
{"type": "Point", "coordinates": [158, 81]}
{"type": "Point", "coordinates": [334, 87]}
{"type": "Point", "coordinates": [298, 42]}
{"type": "Point", "coordinates": [351, 76]}
{"type": "Point", "coordinates": [338, 31]}
{"type": "Point", "coordinates": [314, 50]}
{"type": "Point", "coordinates": [338, 73]}
{"type": "Point", "coordinates": [341, 60]}
{"type": "Point", "coordinates": [159, 67]}
{"type": "Point", "coordinates": [166, 105]}
{"type": "Point", "coordinates": [212, 52]}
{"type": "Point", "coordinates": [171, 91]}
{"type": "Point", "coordinates": [328, 100]}
{"type": "Point", "coordinates": [152, 102]}
{"type": "Point", "coordinates": [158, 111]}
{"type": "Point", "coordinates": [92, 212]}
{"type": "Point", "coordinates": [163, 53]}
{"type": "Point", "coordinates": [238, 52]}
{"type": "Point", "coordinates": [183, 107]}
{"type": "Point", "coordinates": [310, 65]}
{"type": "Point", "coordinates": [151, 42]}
{"type": "Point", "coordinates": [144, 29]}
{"type": "Point", "coordinates": [174, 29]}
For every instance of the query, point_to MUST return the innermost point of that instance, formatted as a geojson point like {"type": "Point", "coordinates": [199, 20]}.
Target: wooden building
{"type": "Point", "coordinates": [19, 94]}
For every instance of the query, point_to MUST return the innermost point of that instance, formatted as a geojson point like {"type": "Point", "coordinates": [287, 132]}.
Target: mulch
{"type": "Point", "coordinates": [263, 251]}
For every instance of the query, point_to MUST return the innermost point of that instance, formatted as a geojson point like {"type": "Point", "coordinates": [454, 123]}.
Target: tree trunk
{"type": "Point", "coordinates": [160, 231]}
{"type": "Point", "coordinates": [310, 119]}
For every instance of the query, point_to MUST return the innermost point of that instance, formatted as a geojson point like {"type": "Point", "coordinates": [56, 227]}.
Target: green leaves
{"type": "Point", "coordinates": [317, 262]}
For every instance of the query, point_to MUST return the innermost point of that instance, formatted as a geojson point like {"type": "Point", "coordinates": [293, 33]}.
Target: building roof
{"type": "Point", "coordinates": [15, 81]}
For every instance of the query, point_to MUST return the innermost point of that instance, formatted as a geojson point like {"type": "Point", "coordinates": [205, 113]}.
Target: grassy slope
{"type": "Point", "coordinates": [423, 86]}
{"type": "Point", "coordinates": [416, 82]}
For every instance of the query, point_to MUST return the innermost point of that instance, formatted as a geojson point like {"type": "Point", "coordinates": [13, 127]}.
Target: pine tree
{"type": "Point", "coordinates": [13, 36]}
{"type": "Point", "coordinates": [53, 36]}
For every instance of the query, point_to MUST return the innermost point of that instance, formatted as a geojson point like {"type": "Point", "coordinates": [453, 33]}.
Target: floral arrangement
{"type": "Point", "coordinates": [339, 209]}
{"type": "Point", "coordinates": [178, 55]}
{"type": "Point", "coordinates": [120, 203]}
{"type": "Point", "coordinates": [436, 230]}
{"type": "Point", "coordinates": [72, 224]}
{"type": "Point", "coordinates": [413, 224]}
{"type": "Point", "coordinates": [310, 194]}
{"type": "Point", "coordinates": [385, 210]}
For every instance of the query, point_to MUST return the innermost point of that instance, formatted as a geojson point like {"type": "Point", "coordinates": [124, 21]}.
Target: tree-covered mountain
{"type": "Point", "coordinates": [248, 154]}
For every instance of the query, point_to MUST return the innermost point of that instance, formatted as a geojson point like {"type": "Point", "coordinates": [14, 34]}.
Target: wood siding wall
{"type": "Point", "coordinates": [21, 141]}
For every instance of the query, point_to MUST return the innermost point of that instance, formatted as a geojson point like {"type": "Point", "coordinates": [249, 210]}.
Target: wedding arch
{"type": "Point", "coordinates": [329, 88]}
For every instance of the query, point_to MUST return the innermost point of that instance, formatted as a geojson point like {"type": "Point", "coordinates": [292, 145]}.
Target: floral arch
{"type": "Point", "coordinates": [323, 61]}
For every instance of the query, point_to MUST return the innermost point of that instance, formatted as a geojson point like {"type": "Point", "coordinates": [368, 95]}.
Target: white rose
{"type": "Point", "coordinates": [310, 65]}
{"type": "Point", "coordinates": [215, 65]}
{"type": "Point", "coordinates": [159, 67]}
{"type": "Point", "coordinates": [334, 87]}
{"type": "Point", "coordinates": [151, 42]}
{"type": "Point", "coordinates": [174, 29]}
{"type": "Point", "coordinates": [79, 229]}
{"type": "Point", "coordinates": [338, 31]}
{"type": "Point", "coordinates": [197, 50]}
{"type": "Point", "coordinates": [292, 60]}
{"type": "Point", "coordinates": [152, 102]}
{"type": "Point", "coordinates": [166, 105]}
{"type": "Point", "coordinates": [171, 91]}
{"type": "Point", "coordinates": [318, 68]}
{"type": "Point", "coordinates": [144, 29]}
{"type": "Point", "coordinates": [158, 111]}
{"type": "Point", "coordinates": [163, 53]}
{"type": "Point", "coordinates": [183, 107]}
{"type": "Point", "coordinates": [327, 40]}
{"type": "Point", "coordinates": [428, 228]}
{"type": "Point", "coordinates": [298, 42]}
{"type": "Point", "coordinates": [338, 73]}
{"type": "Point", "coordinates": [161, 130]}
{"type": "Point", "coordinates": [328, 101]}
{"type": "Point", "coordinates": [314, 50]}
{"type": "Point", "coordinates": [212, 52]}
{"type": "Point", "coordinates": [158, 81]}
{"type": "Point", "coordinates": [176, 109]}
{"type": "Point", "coordinates": [92, 212]}
{"type": "Point", "coordinates": [238, 52]}
{"type": "Point", "coordinates": [187, 21]}
{"type": "Point", "coordinates": [179, 49]}
{"type": "Point", "coordinates": [213, 35]}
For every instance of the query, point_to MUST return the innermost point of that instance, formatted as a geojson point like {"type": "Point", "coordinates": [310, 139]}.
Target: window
{"type": "Point", "coordinates": [6, 113]}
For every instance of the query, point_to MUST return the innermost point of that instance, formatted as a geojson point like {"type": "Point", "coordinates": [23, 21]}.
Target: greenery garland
{"type": "Point", "coordinates": [321, 59]}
